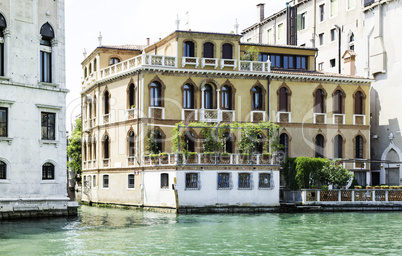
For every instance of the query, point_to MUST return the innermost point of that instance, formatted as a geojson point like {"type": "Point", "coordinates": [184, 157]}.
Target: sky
{"type": "Point", "coordinates": [132, 21]}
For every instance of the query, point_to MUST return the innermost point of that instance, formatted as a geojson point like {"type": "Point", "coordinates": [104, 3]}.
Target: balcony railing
{"type": "Point", "coordinates": [171, 62]}
{"type": "Point", "coordinates": [209, 62]}
{"type": "Point", "coordinates": [320, 118]}
{"type": "Point", "coordinates": [359, 119]}
{"type": "Point", "coordinates": [131, 114]}
{"type": "Point", "coordinates": [215, 159]}
{"type": "Point", "coordinates": [284, 117]}
{"type": "Point", "coordinates": [189, 115]}
{"type": "Point", "coordinates": [132, 161]}
{"type": "Point", "coordinates": [190, 61]}
{"type": "Point", "coordinates": [257, 116]}
{"type": "Point", "coordinates": [106, 162]}
{"type": "Point", "coordinates": [258, 66]}
{"type": "Point", "coordinates": [217, 115]}
{"type": "Point", "coordinates": [338, 118]}
{"type": "Point", "coordinates": [156, 112]}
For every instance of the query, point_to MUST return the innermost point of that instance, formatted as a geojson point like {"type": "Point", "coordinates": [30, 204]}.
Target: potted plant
{"type": "Point", "coordinates": [244, 158]}
{"type": "Point", "coordinates": [266, 158]}
{"type": "Point", "coordinates": [370, 187]}
{"type": "Point", "coordinates": [154, 158]}
{"type": "Point", "coordinates": [224, 158]}
{"type": "Point", "coordinates": [358, 187]}
{"type": "Point", "coordinates": [191, 157]}
{"type": "Point", "coordinates": [208, 157]}
{"type": "Point", "coordinates": [132, 107]}
{"type": "Point", "coordinates": [164, 158]}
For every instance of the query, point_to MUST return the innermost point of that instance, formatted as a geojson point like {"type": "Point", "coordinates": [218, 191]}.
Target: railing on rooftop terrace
{"type": "Point", "coordinates": [171, 62]}
{"type": "Point", "coordinates": [211, 159]}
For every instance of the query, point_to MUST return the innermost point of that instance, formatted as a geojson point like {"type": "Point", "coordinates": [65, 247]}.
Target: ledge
{"type": "Point", "coordinates": [49, 142]}
{"type": "Point", "coordinates": [8, 139]}
{"type": "Point", "coordinates": [48, 84]}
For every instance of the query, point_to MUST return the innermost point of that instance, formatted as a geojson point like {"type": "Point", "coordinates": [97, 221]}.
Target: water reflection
{"type": "Point", "coordinates": [104, 231]}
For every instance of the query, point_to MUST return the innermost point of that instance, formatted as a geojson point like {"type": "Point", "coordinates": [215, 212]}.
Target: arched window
{"type": "Point", "coordinates": [188, 96]}
{"type": "Point", "coordinates": [208, 97]}
{"type": "Point", "coordinates": [95, 63]}
{"type": "Point", "coordinates": [359, 103]}
{"type": "Point", "coordinates": [156, 142]}
{"type": "Point", "coordinates": [90, 68]}
{"type": "Point", "coordinates": [283, 99]}
{"type": "Point", "coordinates": [229, 142]}
{"type": "Point", "coordinates": [189, 49]}
{"type": "Point", "coordinates": [85, 72]}
{"type": "Point", "coordinates": [338, 102]}
{"type": "Point", "coordinates": [94, 150]}
{"type": "Point", "coordinates": [319, 146]}
{"type": "Point", "coordinates": [189, 140]}
{"type": "Point", "coordinates": [84, 151]}
{"type": "Point", "coordinates": [48, 171]}
{"type": "Point", "coordinates": [113, 61]}
{"type": "Point", "coordinates": [131, 96]}
{"type": "Point", "coordinates": [226, 97]}
{"type": "Point", "coordinates": [359, 146]}
{"type": "Point", "coordinates": [352, 42]}
{"type": "Point", "coordinates": [3, 170]}
{"type": "Point", "coordinates": [156, 94]}
{"type": "Point", "coordinates": [89, 148]}
{"type": "Point", "coordinates": [284, 141]}
{"type": "Point", "coordinates": [47, 34]}
{"type": "Point", "coordinates": [3, 26]}
{"type": "Point", "coordinates": [227, 51]}
{"type": "Point", "coordinates": [94, 107]}
{"type": "Point", "coordinates": [208, 50]}
{"type": "Point", "coordinates": [90, 111]}
{"type": "Point", "coordinates": [259, 145]}
{"type": "Point", "coordinates": [257, 98]}
{"type": "Point", "coordinates": [131, 144]}
{"type": "Point", "coordinates": [106, 97]}
{"type": "Point", "coordinates": [106, 147]}
{"type": "Point", "coordinates": [319, 101]}
{"type": "Point", "coordinates": [338, 146]}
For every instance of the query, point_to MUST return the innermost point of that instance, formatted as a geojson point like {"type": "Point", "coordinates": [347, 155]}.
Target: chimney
{"type": "Point", "coordinates": [147, 41]}
{"type": "Point", "coordinates": [260, 9]}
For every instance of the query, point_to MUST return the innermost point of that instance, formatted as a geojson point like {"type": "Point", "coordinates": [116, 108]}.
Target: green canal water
{"type": "Point", "coordinates": [100, 231]}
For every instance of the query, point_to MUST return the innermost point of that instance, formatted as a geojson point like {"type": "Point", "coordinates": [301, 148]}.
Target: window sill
{"type": "Point", "coordinates": [266, 188]}
{"type": "Point", "coordinates": [4, 182]}
{"type": "Point", "coordinates": [5, 78]}
{"type": "Point", "coordinates": [48, 84]}
{"type": "Point", "coordinates": [49, 142]}
{"type": "Point", "coordinates": [7, 139]}
{"type": "Point", "coordinates": [48, 182]}
{"type": "Point", "coordinates": [130, 188]}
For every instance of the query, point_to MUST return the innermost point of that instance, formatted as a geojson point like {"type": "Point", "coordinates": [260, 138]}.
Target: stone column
{"type": "Point", "coordinates": [7, 64]}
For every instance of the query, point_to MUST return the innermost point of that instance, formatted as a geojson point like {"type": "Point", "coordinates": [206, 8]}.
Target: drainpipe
{"type": "Point", "coordinates": [339, 48]}
{"type": "Point", "coordinates": [138, 117]}
{"type": "Point", "coordinates": [268, 96]}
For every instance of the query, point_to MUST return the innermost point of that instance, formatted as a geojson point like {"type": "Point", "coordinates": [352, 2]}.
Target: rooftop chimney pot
{"type": "Point", "coordinates": [260, 9]}
{"type": "Point", "coordinates": [148, 41]}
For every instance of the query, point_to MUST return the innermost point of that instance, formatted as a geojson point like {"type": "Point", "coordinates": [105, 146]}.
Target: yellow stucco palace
{"type": "Point", "coordinates": [130, 92]}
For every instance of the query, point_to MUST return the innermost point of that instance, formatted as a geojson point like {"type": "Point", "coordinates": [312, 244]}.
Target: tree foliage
{"type": "Point", "coordinates": [74, 150]}
{"type": "Point", "coordinates": [304, 172]}
{"type": "Point", "coordinates": [251, 54]}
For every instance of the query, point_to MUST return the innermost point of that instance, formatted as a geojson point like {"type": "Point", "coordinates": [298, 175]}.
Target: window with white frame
{"type": "Point", "coordinates": [334, 8]}
{"type": "Point", "coordinates": [130, 181]}
{"type": "Point", "coordinates": [351, 4]}
{"type": "Point", "coordinates": [321, 66]}
{"type": "Point", "coordinates": [270, 36]}
{"type": "Point", "coordinates": [321, 38]}
{"type": "Point", "coordinates": [302, 21]}
{"type": "Point", "coordinates": [48, 126]}
{"type": "Point", "coordinates": [164, 181]}
{"type": "Point", "coordinates": [3, 170]}
{"type": "Point", "coordinates": [280, 31]}
{"type": "Point", "coordinates": [3, 122]}
{"type": "Point", "coordinates": [106, 181]}
{"type": "Point", "coordinates": [322, 12]}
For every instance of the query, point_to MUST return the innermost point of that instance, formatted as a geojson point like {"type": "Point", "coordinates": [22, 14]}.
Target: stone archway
{"type": "Point", "coordinates": [391, 171]}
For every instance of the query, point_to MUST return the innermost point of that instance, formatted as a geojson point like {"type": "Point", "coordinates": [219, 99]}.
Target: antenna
{"type": "Point", "coordinates": [188, 21]}
{"type": "Point", "coordinates": [178, 22]}
{"type": "Point", "coordinates": [100, 39]}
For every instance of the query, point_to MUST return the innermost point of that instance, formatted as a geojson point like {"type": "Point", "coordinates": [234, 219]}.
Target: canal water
{"type": "Point", "coordinates": [103, 231]}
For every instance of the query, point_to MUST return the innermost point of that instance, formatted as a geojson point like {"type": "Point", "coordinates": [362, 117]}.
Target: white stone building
{"type": "Point", "coordinates": [32, 109]}
{"type": "Point", "coordinates": [353, 37]}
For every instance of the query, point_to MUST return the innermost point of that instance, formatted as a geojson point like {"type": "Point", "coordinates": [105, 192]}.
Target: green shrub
{"type": "Point", "coordinates": [163, 154]}
{"type": "Point", "coordinates": [354, 183]}
{"type": "Point", "coordinates": [324, 188]}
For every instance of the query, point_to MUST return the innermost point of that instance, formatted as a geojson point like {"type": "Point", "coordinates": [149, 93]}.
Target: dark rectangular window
{"type": "Point", "coordinates": [48, 126]}
{"type": "Point", "coordinates": [3, 122]}
{"type": "Point", "coordinates": [130, 181]}
{"type": "Point", "coordinates": [164, 180]}
{"type": "Point", "coordinates": [322, 12]}
{"type": "Point", "coordinates": [45, 67]}
{"type": "Point", "coordinates": [3, 170]}
{"type": "Point", "coordinates": [244, 181]}
{"type": "Point", "coordinates": [285, 61]}
{"type": "Point", "coordinates": [333, 34]}
{"type": "Point", "coordinates": [332, 63]}
{"type": "Point", "coordinates": [1, 59]}
{"type": "Point", "coordinates": [192, 181]}
{"type": "Point", "coordinates": [48, 171]}
{"type": "Point", "coordinates": [264, 180]}
{"type": "Point", "coordinates": [105, 181]}
{"type": "Point", "coordinates": [223, 180]}
{"type": "Point", "coordinates": [368, 2]}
